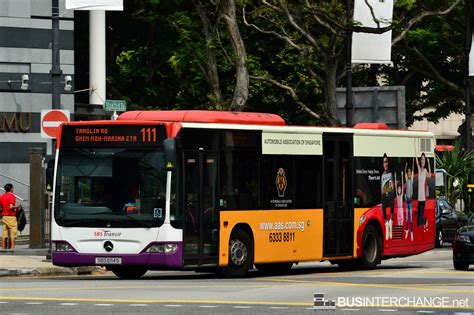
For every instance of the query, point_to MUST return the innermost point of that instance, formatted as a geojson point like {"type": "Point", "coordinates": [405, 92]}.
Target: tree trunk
{"type": "Point", "coordinates": [211, 72]}
{"type": "Point", "coordinates": [330, 87]}
{"type": "Point", "coordinates": [241, 91]}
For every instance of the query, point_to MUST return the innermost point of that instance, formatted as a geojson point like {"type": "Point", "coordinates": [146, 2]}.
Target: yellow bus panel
{"type": "Point", "coordinates": [279, 235]}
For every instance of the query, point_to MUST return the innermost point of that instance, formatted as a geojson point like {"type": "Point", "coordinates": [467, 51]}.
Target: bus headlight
{"type": "Point", "coordinates": [163, 248]}
{"type": "Point", "coordinates": [62, 247]}
{"type": "Point", "coordinates": [362, 220]}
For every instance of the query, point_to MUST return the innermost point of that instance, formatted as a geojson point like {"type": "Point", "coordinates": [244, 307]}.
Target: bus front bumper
{"type": "Point", "coordinates": [151, 260]}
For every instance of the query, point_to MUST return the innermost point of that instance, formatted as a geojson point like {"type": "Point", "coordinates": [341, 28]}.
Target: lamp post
{"type": "Point", "coordinates": [349, 105]}
{"type": "Point", "coordinates": [467, 81]}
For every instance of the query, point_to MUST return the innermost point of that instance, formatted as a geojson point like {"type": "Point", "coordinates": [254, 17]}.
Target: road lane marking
{"type": "Point", "coordinates": [68, 304]}
{"type": "Point", "coordinates": [294, 282]}
{"type": "Point", "coordinates": [137, 304]}
{"type": "Point", "coordinates": [34, 303]}
{"type": "Point", "coordinates": [173, 305]}
{"type": "Point", "coordinates": [350, 309]}
{"type": "Point", "coordinates": [278, 307]}
{"type": "Point", "coordinates": [426, 312]}
{"type": "Point", "coordinates": [218, 302]}
{"type": "Point", "coordinates": [208, 306]}
{"type": "Point", "coordinates": [371, 285]}
{"type": "Point", "coordinates": [103, 304]}
{"type": "Point", "coordinates": [243, 307]}
{"type": "Point", "coordinates": [125, 287]}
{"type": "Point", "coordinates": [387, 310]}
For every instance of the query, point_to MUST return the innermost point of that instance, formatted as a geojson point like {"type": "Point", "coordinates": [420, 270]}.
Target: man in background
{"type": "Point", "coordinates": [9, 223]}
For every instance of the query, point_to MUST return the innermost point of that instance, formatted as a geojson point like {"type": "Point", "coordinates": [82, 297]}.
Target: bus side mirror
{"type": "Point", "coordinates": [169, 148]}
{"type": "Point", "coordinates": [49, 175]}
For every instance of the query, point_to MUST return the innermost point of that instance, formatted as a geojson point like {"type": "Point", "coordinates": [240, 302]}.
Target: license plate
{"type": "Point", "coordinates": [108, 260]}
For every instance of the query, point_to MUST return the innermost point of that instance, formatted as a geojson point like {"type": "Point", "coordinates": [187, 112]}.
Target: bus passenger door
{"type": "Point", "coordinates": [338, 195]}
{"type": "Point", "coordinates": [200, 209]}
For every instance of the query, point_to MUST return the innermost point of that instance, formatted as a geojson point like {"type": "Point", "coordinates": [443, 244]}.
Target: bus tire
{"type": "Point", "coordinates": [240, 254]}
{"type": "Point", "coordinates": [371, 248]}
{"type": "Point", "coordinates": [275, 268]}
{"type": "Point", "coordinates": [129, 272]}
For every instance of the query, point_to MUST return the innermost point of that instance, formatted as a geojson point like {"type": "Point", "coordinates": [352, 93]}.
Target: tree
{"type": "Point", "coordinates": [317, 31]}
{"type": "Point", "coordinates": [288, 60]}
{"type": "Point", "coordinates": [458, 164]}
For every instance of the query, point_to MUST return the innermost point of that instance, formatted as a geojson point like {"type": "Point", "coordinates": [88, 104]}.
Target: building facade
{"type": "Point", "coordinates": [25, 82]}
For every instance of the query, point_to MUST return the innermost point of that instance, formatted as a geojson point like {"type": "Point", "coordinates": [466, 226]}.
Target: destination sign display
{"type": "Point", "coordinates": [112, 136]}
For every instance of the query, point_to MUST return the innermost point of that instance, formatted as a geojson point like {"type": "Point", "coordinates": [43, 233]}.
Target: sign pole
{"type": "Point", "coordinates": [349, 105]}
{"type": "Point", "coordinates": [55, 62]}
{"type": "Point", "coordinates": [467, 82]}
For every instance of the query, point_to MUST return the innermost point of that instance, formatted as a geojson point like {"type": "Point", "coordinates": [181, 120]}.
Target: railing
{"type": "Point", "coordinates": [21, 200]}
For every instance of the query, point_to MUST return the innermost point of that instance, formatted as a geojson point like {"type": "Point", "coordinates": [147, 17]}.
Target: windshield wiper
{"type": "Point", "coordinates": [75, 222]}
{"type": "Point", "coordinates": [142, 223]}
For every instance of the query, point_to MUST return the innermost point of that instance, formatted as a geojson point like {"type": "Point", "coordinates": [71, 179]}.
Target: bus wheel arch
{"type": "Point", "coordinates": [371, 246]}
{"type": "Point", "coordinates": [241, 251]}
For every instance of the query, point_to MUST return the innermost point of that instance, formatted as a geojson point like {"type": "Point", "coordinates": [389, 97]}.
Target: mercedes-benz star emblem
{"type": "Point", "coordinates": [108, 246]}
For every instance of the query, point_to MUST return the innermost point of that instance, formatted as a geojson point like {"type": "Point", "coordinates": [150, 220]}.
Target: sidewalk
{"type": "Point", "coordinates": [24, 261]}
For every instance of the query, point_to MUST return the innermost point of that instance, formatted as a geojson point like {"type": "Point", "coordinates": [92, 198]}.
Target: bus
{"type": "Point", "coordinates": [227, 191]}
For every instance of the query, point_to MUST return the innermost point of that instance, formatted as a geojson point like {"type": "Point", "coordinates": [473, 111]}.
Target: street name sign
{"type": "Point", "coordinates": [115, 105]}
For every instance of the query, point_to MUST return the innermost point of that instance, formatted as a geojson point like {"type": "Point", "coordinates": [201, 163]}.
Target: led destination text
{"type": "Point", "coordinates": [102, 135]}
{"type": "Point", "coordinates": [106, 138]}
{"type": "Point", "coordinates": [112, 136]}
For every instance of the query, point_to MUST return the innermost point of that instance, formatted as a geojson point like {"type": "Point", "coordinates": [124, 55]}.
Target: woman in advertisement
{"type": "Point", "coordinates": [408, 197]}
{"type": "Point", "coordinates": [423, 174]}
{"type": "Point", "coordinates": [387, 189]}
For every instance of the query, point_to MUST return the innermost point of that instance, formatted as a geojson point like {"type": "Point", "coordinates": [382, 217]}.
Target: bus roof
{"type": "Point", "coordinates": [205, 116]}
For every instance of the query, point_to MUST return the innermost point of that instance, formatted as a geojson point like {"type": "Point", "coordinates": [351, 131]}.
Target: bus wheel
{"type": "Point", "coordinates": [240, 254]}
{"type": "Point", "coordinates": [371, 248]}
{"type": "Point", "coordinates": [130, 272]}
{"type": "Point", "coordinates": [275, 268]}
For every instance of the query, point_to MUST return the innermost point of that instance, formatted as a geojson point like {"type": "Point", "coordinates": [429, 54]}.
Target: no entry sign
{"type": "Point", "coordinates": [50, 121]}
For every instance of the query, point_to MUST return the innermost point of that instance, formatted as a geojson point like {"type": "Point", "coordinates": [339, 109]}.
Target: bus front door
{"type": "Point", "coordinates": [200, 209]}
{"type": "Point", "coordinates": [338, 195]}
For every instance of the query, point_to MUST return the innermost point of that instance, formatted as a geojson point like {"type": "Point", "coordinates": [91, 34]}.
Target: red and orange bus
{"type": "Point", "coordinates": [227, 191]}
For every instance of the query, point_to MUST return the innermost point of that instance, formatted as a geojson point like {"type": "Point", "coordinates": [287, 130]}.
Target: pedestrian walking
{"type": "Point", "coordinates": [9, 222]}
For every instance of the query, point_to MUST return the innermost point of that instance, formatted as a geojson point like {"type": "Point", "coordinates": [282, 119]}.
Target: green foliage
{"type": "Point", "coordinates": [405, 4]}
{"type": "Point", "coordinates": [457, 163]}
{"type": "Point", "coordinates": [156, 51]}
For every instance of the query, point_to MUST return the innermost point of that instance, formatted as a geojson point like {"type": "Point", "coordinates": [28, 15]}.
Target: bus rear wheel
{"type": "Point", "coordinates": [371, 248]}
{"type": "Point", "coordinates": [240, 254]}
{"type": "Point", "coordinates": [274, 268]}
{"type": "Point", "coordinates": [130, 272]}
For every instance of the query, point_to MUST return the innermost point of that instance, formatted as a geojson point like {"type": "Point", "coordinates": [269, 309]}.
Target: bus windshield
{"type": "Point", "coordinates": [110, 187]}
